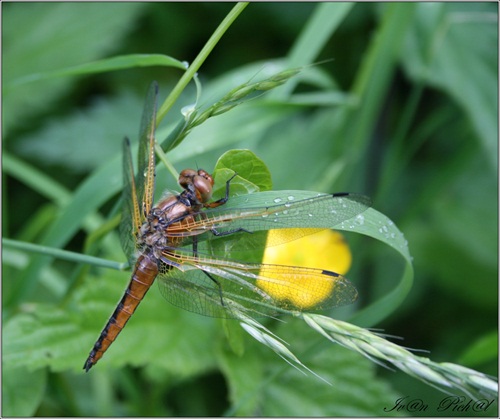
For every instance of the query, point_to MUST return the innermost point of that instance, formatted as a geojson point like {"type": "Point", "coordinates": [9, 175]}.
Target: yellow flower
{"type": "Point", "coordinates": [321, 249]}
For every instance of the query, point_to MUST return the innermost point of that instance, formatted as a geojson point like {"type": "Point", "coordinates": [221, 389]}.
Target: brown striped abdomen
{"type": "Point", "coordinates": [145, 272]}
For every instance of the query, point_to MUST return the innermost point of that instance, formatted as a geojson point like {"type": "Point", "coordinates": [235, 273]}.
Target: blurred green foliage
{"type": "Point", "coordinates": [404, 110]}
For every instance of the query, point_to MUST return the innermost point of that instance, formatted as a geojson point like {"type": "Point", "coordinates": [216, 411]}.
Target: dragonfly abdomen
{"type": "Point", "coordinates": [145, 272]}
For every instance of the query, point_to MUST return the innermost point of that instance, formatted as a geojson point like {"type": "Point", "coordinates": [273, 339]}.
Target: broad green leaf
{"type": "Point", "coordinates": [247, 165]}
{"type": "Point", "coordinates": [238, 185]}
{"type": "Point", "coordinates": [61, 338]}
{"type": "Point", "coordinates": [244, 378]}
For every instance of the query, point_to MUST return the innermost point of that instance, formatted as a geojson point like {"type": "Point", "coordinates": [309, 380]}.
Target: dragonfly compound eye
{"type": "Point", "coordinates": [206, 175]}
{"type": "Point", "coordinates": [203, 187]}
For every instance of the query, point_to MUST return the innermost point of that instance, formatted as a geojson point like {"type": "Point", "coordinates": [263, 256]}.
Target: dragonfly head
{"type": "Point", "coordinates": [200, 183]}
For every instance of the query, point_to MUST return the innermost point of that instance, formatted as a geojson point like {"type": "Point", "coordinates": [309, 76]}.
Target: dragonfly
{"type": "Point", "coordinates": [183, 243]}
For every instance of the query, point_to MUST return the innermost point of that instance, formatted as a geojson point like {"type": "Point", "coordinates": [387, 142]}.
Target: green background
{"type": "Point", "coordinates": [404, 110]}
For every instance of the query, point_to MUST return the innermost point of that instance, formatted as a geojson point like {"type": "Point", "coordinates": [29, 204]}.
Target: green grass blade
{"type": "Point", "coordinates": [91, 194]}
{"type": "Point", "coordinates": [321, 25]}
{"type": "Point", "coordinates": [63, 254]}
{"type": "Point", "coordinates": [121, 62]}
{"type": "Point", "coordinates": [35, 179]}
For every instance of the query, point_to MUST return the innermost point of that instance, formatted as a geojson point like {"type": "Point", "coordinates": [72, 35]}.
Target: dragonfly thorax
{"type": "Point", "coordinates": [173, 214]}
{"type": "Point", "coordinates": [153, 233]}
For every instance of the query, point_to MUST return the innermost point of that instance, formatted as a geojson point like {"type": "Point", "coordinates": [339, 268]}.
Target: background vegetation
{"type": "Point", "coordinates": [405, 111]}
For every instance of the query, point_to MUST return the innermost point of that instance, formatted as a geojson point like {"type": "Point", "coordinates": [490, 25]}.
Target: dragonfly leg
{"type": "Point", "coordinates": [195, 246]}
{"type": "Point", "coordinates": [218, 287]}
{"type": "Point", "coordinates": [222, 201]}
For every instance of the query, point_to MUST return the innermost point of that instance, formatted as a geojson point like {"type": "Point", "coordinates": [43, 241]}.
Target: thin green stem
{"type": "Point", "coordinates": [199, 60]}
{"type": "Point", "coordinates": [163, 157]}
{"type": "Point", "coordinates": [63, 254]}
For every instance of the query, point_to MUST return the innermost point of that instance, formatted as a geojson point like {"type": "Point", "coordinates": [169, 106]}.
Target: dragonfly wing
{"type": "Point", "coordinates": [145, 179]}
{"type": "Point", "coordinates": [321, 211]}
{"type": "Point", "coordinates": [138, 191]}
{"type": "Point", "coordinates": [131, 218]}
{"type": "Point", "coordinates": [223, 288]}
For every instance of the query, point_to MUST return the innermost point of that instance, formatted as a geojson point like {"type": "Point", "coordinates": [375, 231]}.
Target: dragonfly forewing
{"type": "Point", "coordinates": [322, 211]}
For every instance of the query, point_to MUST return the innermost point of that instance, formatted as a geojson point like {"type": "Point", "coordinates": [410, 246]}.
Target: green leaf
{"type": "Point", "coordinates": [61, 338]}
{"type": "Point", "coordinates": [22, 391]}
{"type": "Point", "coordinates": [238, 185]}
{"type": "Point", "coordinates": [248, 166]}
{"type": "Point", "coordinates": [244, 379]}
{"type": "Point", "coordinates": [318, 30]}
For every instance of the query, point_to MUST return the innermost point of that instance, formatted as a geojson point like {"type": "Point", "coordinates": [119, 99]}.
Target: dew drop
{"type": "Point", "coordinates": [360, 219]}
